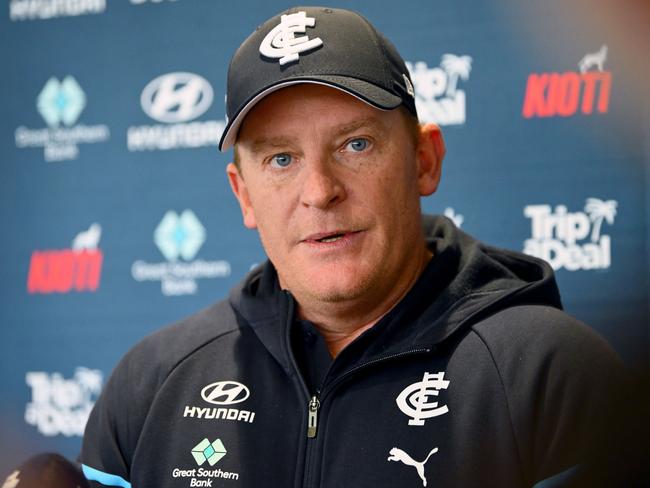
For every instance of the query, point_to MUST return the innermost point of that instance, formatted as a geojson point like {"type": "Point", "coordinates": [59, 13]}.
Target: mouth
{"type": "Point", "coordinates": [329, 237]}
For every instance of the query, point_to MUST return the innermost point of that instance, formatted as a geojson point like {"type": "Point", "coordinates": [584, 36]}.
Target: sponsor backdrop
{"type": "Point", "coordinates": [118, 217]}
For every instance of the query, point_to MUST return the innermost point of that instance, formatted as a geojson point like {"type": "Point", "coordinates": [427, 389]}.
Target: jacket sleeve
{"type": "Point", "coordinates": [114, 426]}
{"type": "Point", "coordinates": [563, 383]}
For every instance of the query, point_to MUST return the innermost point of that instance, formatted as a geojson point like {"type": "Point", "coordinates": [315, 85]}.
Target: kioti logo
{"type": "Point", "coordinates": [64, 270]}
{"type": "Point", "coordinates": [565, 94]}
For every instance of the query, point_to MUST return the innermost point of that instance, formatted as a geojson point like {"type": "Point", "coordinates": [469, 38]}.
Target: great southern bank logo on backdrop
{"type": "Point", "coordinates": [179, 239]}
{"type": "Point", "coordinates": [61, 103]}
{"type": "Point", "coordinates": [51, 9]}
{"type": "Point", "coordinates": [175, 100]}
{"type": "Point", "coordinates": [571, 240]}
{"type": "Point", "coordinates": [565, 94]}
{"type": "Point", "coordinates": [437, 96]}
{"type": "Point", "coordinates": [61, 406]}
{"type": "Point", "coordinates": [63, 270]}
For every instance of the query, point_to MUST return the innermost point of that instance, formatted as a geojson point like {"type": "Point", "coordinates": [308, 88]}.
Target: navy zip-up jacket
{"type": "Point", "coordinates": [476, 378]}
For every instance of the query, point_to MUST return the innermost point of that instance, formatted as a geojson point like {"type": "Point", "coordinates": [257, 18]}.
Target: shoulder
{"type": "Point", "coordinates": [544, 355]}
{"type": "Point", "coordinates": [161, 351]}
{"type": "Point", "coordinates": [147, 364]}
{"type": "Point", "coordinates": [551, 365]}
{"type": "Point", "coordinates": [561, 381]}
{"type": "Point", "coordinates": [139, 376]}
{"type": "Point", "coordinates": [541, 331]}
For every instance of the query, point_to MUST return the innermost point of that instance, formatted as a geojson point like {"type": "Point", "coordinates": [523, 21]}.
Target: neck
{"type": "Point", "coordinates": [340, 323]}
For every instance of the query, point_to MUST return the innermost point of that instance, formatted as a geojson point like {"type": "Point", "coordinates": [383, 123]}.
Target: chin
{"type": "Point", "coordinates": [335, 287]}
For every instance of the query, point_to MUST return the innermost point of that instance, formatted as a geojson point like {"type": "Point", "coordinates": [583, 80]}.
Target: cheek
{"type": "Point", "coordinates": [272, 219]}
{"type": "Point", "coordinates": [402, 198]}
{"type": "Point", "coordinates": [399, 182]}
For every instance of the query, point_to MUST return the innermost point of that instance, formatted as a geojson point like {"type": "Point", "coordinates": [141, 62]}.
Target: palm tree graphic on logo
{"type": "Point", "coordinates": [89, 379]}
{"type": "Point", "coordinates": [456, 67]}
{"type": "Point", "coordinates": [598, 211]}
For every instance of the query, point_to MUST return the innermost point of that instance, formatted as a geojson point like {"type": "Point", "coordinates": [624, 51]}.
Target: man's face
{"type": "Point", "coordinates": [332, 185]}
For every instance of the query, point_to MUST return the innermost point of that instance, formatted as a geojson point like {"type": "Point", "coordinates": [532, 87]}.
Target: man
{"type": "Point", "coordinates": [376, 347]}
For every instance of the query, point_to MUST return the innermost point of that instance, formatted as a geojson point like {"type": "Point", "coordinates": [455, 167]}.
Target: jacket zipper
{"type": "Point", "coordinates": [312, 415]}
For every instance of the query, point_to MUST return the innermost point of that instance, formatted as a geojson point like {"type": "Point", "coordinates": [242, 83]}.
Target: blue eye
{"type": "Point", "coordinates": [358, 145]}
{"type": "Point", "coordinates": [281, 160]}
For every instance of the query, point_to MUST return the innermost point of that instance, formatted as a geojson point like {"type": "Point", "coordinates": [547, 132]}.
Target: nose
{"type": "Point", "coordinates": [321, 186]}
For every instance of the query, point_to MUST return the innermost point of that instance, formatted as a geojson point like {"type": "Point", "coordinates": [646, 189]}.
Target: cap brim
{"type": "Point", "coordinates": [364, 91]}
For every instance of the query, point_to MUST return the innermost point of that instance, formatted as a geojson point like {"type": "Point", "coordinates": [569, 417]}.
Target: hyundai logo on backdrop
{"type": "Point", "coordinates": [176, 100]}
{"type": "Point", "coordinates": [571, 240]}
{"type": "Point", "coordinates": [585, 91]}
{"type": "Point", "coordinates": [61, 406]}
{"type": "Point", "coordinates": [437, 96]}
{"type": "Point", "coordinates": [176, 97]}
{"type": "Point", "coordinates": [179, 239]}
{"type": "Point", "coordinates": [51, 9]}
{"type": "Point", "coordinates": [61, 103]}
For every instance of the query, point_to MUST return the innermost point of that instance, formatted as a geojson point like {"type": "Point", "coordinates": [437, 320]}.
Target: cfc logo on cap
{"type": "Point", "coordinates": [281, 42]}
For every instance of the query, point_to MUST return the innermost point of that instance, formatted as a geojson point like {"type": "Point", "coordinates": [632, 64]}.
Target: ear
{"type": "Point", "coordinates": [238, 186]}
{"type": "Point", "coordinates": [430, 153]}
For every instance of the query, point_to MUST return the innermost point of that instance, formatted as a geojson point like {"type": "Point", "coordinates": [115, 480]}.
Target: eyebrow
{"type": "Point", "coordinates": [370, 122]}
{"type": "Point", "coordinates": [262, 143]}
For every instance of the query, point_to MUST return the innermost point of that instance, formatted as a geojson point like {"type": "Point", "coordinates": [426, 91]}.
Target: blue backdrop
{"type": "Point", "coordinates": [119, 218]}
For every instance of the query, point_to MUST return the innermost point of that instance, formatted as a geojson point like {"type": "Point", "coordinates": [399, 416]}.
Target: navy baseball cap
{"type": "Point", "coordinates": [327, 46]}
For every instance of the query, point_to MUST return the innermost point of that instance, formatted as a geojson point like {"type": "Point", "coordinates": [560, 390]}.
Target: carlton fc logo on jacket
{"type": "Point", "coordinates": [223, 394]}
{"type": "Point", "coordinates": [416, 401]}
{"type": "Point", "coordinates": [571, 240]}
